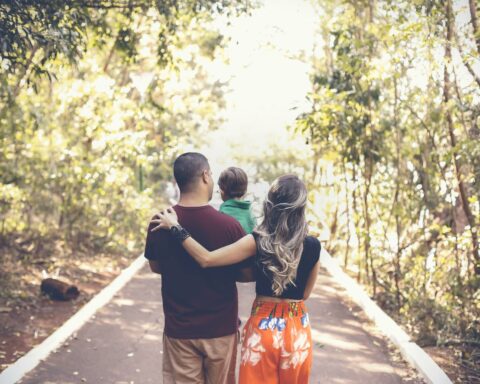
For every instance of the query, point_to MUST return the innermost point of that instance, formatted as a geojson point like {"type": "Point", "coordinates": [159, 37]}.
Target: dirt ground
{"type": "Point", "coordinates": [27, 317]}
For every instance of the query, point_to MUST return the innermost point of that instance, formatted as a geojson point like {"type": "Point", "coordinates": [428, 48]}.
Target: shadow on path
{"type": "Point", "coordinates": [123, 342]}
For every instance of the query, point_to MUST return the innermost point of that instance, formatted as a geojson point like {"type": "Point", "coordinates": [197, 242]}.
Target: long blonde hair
{"type": "Point", "coordinates": [282, 232]}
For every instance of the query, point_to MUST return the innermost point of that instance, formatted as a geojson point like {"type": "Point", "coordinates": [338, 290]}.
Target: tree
{"type": "Point", "coordinates": [399, 123]}
{"type": "Point", "coordinates": [86, 148]}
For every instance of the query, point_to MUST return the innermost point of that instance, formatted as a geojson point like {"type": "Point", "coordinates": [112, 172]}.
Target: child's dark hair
{"type": "Point", "coordinates": [233, 182]}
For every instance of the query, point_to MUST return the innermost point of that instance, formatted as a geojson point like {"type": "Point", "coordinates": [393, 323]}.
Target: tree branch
{"type": "Point", "coordinates": [465, 61]}
{"type": "Point", "coordinates": [473, 15]}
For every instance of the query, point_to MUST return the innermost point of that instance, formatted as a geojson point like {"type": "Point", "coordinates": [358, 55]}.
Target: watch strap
{"type": "Point", "coordinates": [179, 233]}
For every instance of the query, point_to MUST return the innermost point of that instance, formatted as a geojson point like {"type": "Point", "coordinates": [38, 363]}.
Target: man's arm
{"type": "Point", "coordinates": [245, 275]}
{"type": "Point", "coordinates": [155, 266]}
{"type": "Point", "coordinates": [155, 242]}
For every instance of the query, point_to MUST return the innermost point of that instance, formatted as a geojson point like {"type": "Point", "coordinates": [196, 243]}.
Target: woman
{"type": "Point", "coordinates": [277, 346]}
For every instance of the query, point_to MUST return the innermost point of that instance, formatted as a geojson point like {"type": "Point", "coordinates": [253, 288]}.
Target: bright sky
{"type": "Point", "coordinates": [268, 82]}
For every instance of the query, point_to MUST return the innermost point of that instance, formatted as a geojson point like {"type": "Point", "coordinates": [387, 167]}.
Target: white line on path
{"type": "Point", "coordinates": [410, 351]}
{"type": "Point", "coordinates": [29, 361]}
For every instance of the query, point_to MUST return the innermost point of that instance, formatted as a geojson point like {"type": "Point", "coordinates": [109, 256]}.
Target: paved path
{"type": "Point", "coordinates": [123, 343]}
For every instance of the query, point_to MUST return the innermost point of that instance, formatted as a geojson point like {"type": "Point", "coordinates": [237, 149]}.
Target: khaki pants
{"type": "Point", "coordinates": [199, 361]}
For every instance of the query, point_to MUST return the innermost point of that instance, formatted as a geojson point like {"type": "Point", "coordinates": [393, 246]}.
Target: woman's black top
{"type": "Point", "coordinates": [263, 277]}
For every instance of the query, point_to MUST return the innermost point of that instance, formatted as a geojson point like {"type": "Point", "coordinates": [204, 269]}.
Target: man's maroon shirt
{"type": "Point", "coordinates": [197, 302]}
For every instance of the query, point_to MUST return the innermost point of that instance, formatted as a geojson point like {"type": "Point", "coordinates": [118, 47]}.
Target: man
{"type": "Point", "coordinates": [200, 305]}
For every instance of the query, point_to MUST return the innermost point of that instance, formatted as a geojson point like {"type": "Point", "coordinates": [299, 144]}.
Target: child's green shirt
{"type": "Point", "coordinates": [240, 210]}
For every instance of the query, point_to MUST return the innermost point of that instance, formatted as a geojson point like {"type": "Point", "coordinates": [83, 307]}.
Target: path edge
{"type": "Point", "coordinates": [31, 359]}
{"type": "Point", "coordinates": [410, 351]}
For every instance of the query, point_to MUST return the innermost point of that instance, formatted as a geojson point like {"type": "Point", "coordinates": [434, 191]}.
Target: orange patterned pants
{"type": "Point", "coordinates": [277, 344]}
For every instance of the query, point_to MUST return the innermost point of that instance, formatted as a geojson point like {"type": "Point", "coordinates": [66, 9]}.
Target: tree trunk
{"type": "Point", "coordinates": [357, 226]}
{"type": "Point", "coordinates": [370, 269]}
{"type": "Point", "coordinates": [59, 290]}
{"type": "Point", "coordinates": [347, 205]}
{"type": "Point", "coordinates": [398, 228]}
{"type": "Point", "coordinates": [453, 139]}
{"type": "Point", "coordinates": [371, 10]}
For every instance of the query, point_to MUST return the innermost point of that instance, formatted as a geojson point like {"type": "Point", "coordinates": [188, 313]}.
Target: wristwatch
{"type": "Point", "coordinates": [179, 233]}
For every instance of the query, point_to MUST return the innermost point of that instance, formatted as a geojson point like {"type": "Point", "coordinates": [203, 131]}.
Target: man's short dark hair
{"type": "Point", "coordinates": [233, 182]}
{"type": "Point", "coordinates": [187, 168]}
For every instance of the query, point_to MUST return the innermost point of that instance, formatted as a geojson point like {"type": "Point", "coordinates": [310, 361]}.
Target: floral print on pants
{"type": "Point", "coordinates": [277, 344]}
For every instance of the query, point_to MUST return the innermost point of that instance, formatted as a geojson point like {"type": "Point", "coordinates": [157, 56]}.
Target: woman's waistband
{"type": "Point", "coordinates": [282, 309]}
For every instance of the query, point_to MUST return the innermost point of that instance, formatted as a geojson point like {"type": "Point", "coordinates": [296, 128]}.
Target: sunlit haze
{"type": "Point", "coordinates": [268, 80]}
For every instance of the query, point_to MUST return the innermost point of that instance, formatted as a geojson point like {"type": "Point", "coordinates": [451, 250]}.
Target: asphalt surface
{"type": "Point", "coordinates": [123, 342]}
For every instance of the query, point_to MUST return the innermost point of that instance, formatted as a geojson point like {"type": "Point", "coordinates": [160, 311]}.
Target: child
{"type": "Point", "coordinates": [233, 184]}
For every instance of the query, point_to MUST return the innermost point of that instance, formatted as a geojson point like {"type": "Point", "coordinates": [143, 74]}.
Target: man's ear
{"type": "Point", "coordinates": [205, 176]}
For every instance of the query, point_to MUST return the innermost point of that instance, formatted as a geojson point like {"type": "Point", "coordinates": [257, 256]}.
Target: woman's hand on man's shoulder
{"type": "Point", "coordinates": [164, 219]}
